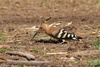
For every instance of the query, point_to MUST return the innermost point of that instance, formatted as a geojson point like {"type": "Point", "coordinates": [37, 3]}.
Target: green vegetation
{"type": "Point", "coordinates": [3, 50]}
{"type": "Point", "coordinates": [52, 39]}
{"type": "Point", "coordinates": [2, 36]}
{"type": "Point", "coordinates": [36, 50]}
{"type": "Point", "coordinates": [95, 63]}
{"type": "Point", "coordinates": [98, 3]}
{"type": "Point", "coordinates": [96, 43]}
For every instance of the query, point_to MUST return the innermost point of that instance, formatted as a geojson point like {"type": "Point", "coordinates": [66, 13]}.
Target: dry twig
{"type": "Point", "coordinates": [24, 54]}
{"type": "Point", "coordinates": [56, 53]}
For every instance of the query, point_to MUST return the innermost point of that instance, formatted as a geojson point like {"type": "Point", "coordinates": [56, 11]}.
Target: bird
{"type": "Point", "coordinates": [58, 33]}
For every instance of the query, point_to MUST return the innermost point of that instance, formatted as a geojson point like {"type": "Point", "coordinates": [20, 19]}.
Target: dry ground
{"type": "Point", "coordinates": [16, 16]}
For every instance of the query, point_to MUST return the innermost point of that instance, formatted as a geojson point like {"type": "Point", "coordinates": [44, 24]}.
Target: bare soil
{"type": "Point", "coordinates": [17, 16]}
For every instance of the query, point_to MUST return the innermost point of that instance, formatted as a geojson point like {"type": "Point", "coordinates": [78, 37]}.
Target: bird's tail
{"type": "Point", "coordinates": [78, 38]}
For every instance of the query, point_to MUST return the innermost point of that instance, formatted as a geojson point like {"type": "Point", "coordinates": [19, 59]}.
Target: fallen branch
{"type": "Point", "coordinates": [24, 54]}
{"type": "Point", "coordinates": [20, 62]}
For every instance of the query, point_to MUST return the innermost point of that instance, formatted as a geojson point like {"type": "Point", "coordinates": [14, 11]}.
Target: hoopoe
{"type": "Point", "coordinates": [58, 33]}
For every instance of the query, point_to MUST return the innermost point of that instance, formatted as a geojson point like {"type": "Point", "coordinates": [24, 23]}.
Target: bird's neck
{"type": "Point", "coordinates": [45, 27]}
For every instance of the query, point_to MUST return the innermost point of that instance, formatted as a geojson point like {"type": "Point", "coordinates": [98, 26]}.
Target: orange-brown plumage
{"type": "Point", "coordinates": [50, 30]}
{"type": "Point", "coordinates": [58, 33]}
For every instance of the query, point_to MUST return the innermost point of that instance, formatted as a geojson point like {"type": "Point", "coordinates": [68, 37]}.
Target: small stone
{"type": "Point", "coordinates": [72, 59]}
{"type": "Point", "coordinates": [34, 27]}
